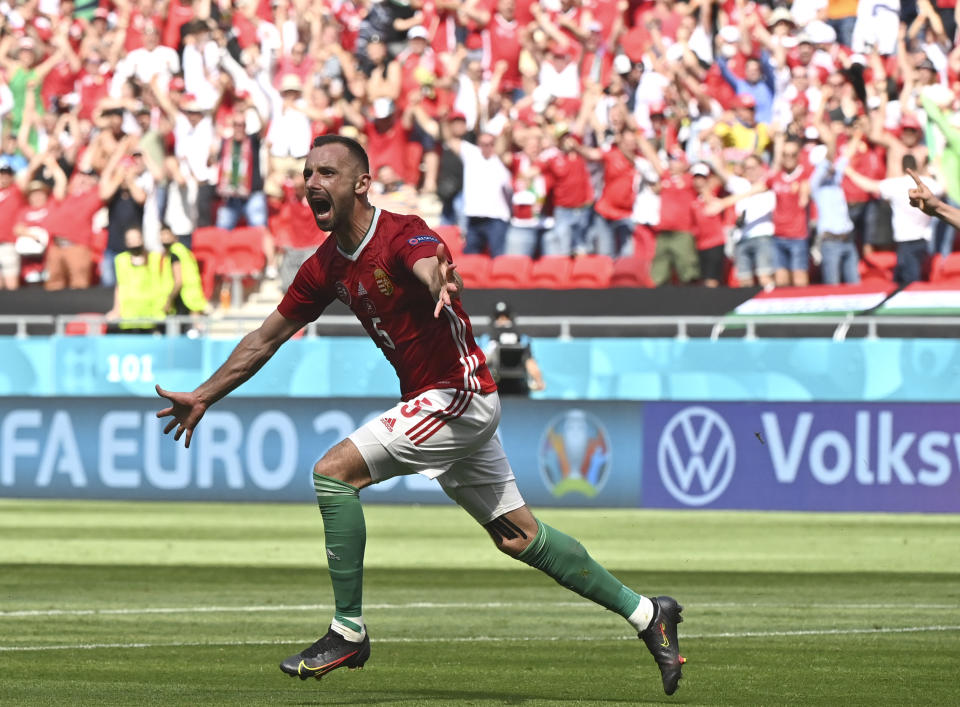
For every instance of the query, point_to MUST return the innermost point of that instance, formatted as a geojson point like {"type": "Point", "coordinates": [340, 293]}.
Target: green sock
{"type": "Point", "coordinates": [346, 536]}
{"type": "Point", "coordinates": [563, 558]}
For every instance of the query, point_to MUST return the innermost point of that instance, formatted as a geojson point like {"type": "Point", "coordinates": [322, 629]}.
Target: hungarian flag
{"type": "Point", "coordinates": [924, 298]}
{"type": "Point", "coordinates": [815, 300]}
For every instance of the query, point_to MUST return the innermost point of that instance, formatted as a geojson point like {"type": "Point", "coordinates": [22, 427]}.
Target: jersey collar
{"type": "Point", "coordinates": [366, 239]}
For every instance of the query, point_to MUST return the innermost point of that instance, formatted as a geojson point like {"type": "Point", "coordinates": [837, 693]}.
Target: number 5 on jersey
{"type": "Point", "coordinates": [387, 341]}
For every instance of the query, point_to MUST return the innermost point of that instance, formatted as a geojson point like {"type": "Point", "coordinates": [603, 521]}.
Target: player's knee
{"type": "Point", "coordinates": [512, 546]}
{"type": "Point", "coordinates": [343, 463]}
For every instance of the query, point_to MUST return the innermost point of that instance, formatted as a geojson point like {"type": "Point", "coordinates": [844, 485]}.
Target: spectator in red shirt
{"type": "Point", "coordinates": [503, 41]}
{"type": "Point", "coordinates": [572, 197]}
{"type": "Point", "coordinates": [709, 229]}
{"type": "Point", "coordinates": [676, 249]}
{"type": "Point", "coordinates": [790, 181]}
{"type": "Point", "coordinates": [613, 225]}
{"type": "Point", "coordinates": [11, 201]}
{"type": "Point", "coordinates": [69, 259]}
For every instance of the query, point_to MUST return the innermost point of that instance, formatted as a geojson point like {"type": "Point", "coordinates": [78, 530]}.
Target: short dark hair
{"type": "Point", "coordinates": [909, 162]}
{"type": "Point", "coordinates": [355, 148]}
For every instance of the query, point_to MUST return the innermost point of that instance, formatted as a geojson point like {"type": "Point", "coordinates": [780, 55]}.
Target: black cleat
{"type": "Point", "coordinates": [660, 638]}
{"type": "Point", "coordinates": [329, 653]}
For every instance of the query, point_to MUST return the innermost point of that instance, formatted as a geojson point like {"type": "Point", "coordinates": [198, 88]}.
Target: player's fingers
{"type": "Point", "coordinates": [165, 412]}
{"type": "Point", "coordinates": [442, 253]}
{"type": "Point", "coordinates": [170, 425]}
{"type": "Point", "coordinates": [915, 176]}
{"type": "Point", "coordinates": [189, 437]}
{"type": "Point", "coordinates": [161, 392]}
{"type": "Point", "coordinates": [436, 310]}
{"type": "Point", "coordinates": [179, 433]}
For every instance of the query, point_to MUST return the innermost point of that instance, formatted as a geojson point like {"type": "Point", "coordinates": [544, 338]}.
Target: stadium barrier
{"type": "Point", "coordinates": [783, 456]}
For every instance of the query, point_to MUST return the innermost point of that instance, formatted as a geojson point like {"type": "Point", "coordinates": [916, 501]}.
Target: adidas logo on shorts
{"type": "Point", "coordinates": [388, 422]}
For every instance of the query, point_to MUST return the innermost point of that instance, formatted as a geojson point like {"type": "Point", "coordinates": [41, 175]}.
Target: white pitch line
{"type": "Point", "coordinates": [492, 639]}
{"type": "Point", "coordinates": [26, 613]}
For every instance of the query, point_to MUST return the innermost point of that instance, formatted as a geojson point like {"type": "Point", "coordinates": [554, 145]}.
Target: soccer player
{"type": "Point", "coordinates": [394, 274]}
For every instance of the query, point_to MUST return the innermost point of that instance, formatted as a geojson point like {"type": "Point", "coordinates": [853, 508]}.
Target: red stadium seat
{"type": "Point", "coordinates": [81, 326]}
{"type": "Point", "coordinates": [551, 272]}
{"type": "Point", "coordinates": [208, 245]}
{"type": "Point", "coordinates": [878, 266]}
{"type": "Point", "coordinates": [946, 269]}
{"type": "Point", "coordinates": [511, 272]}
{"type": "Point", "coordinates": [475, 270]}
{"type": "Point", "coordinates": [452, 238]}
{"type": "Point", "coordinates": [242, 257]}
{"type": "Point", "coordinates": [591, 272]}
{"type": "Point", "coordinates": [630, 272]}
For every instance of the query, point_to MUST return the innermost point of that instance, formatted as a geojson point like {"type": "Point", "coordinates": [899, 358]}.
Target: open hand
{"type": "Point", "coordinates": [449, 287]}
{"type": "Point", "coordinates": [186, 410]}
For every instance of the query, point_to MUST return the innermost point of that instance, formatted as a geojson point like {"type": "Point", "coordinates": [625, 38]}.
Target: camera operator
{"type": "Point", "coordinates": [509, 356]}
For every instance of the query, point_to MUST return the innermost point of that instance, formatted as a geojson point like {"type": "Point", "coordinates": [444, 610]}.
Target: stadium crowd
{"type": "Point", "coordinates": [712, 141]}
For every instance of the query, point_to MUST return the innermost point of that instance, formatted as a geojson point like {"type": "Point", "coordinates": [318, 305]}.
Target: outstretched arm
{"type": "Point", "coordinates": [440, 277]}
{"type": "Point", "coordinates": [254, 350]}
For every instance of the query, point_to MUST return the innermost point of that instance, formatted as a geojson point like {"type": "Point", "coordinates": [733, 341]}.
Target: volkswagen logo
{"type": "Point", "coordinates": [696, 456]}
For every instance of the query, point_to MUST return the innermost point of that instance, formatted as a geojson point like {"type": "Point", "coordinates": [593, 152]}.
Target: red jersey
{"type": "Point", "coordinates": [870, 161]}
{"type": "Point", "coordinates": [676, 196]}
{"type": "Point", "coordinates": [378, 285]}
{"type": "Point", "coordinates": [501, 42]}
{"type": "Point", "coordinates": [619, 188]}
{"type": "Point", "coordinates": [72, 218]}
{"type": "Point", "coordinates": [789, 218]}
{"type": "Point", "coordinates": [708, 230]}
{"type": "Point", "coordinates": [388, 147]}
{"type": "Point", "coordinates": [11, 201]}
{"type": "Point", "coordinates": [570, 179]}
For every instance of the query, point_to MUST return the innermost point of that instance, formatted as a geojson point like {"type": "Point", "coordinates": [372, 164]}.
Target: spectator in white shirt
{"type": "Point", "coordinates": [912, 228]}
{"type": "Point", "coordinates": [487, 194]}
{"type": "Point", "coordinates": [289, 136]}
{"type": "Point", "coordinates": [151, 60]}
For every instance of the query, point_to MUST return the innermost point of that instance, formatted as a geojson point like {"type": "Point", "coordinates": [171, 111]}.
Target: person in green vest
{"type": "Point", "coordinates": [180, 277]}
{"type": "Point", "coordinates": [139, 296]}
{"type": "Point", "coordinates": [945, 155]}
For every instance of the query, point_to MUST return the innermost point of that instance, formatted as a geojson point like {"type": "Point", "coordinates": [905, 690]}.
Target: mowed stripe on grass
{"type": "Point", "coordinates": [178, 630]}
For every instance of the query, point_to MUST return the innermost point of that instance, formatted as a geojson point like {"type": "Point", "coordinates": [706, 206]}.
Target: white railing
{"type": "Point", "coordinates": [556, 326]}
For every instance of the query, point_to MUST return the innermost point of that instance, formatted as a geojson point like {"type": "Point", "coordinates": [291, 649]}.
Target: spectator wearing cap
{"type": "Point", "coordinates": [596, 63]}
{"type": "Point", "coordinates": [289, 135]}
{"type": "Point", "coordinates": [709, 228]}
{"type": "Point", "coordinates": [572, 195]}
{"type": "Point", "coordinates": [907, 139]}
{"type": "Point", "coordinates": [788, 179]}
{"type": "Point", "coordinates": [758, 82]}
{"type": "Point", "coordinates": [487, 186]}
{"type": "Point", "coordinates": [676, 250]}
{"type": "Point", "coordinates": [69, 260]}
{"type": "Point", "coordinates": [945, 161]}
{"type": "Point", "coordinates": [11, 201]}
{"type": "Point", "coordinates": [744, 134]}
{"type": "Point", "coordinates": [40, 198]}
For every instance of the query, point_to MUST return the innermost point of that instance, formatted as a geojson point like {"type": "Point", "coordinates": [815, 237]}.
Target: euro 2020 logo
{"type": "Point", "coordinates": [575, 454]}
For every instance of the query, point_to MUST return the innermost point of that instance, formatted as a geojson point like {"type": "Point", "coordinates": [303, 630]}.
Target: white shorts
{"type": "Point", "coordinates": [448, 435]}
{"type": "Point", "coordinates": [9, 260]}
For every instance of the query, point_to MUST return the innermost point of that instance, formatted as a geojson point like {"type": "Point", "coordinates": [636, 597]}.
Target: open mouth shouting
{"type": "Point", "coordinates": [322, 206]}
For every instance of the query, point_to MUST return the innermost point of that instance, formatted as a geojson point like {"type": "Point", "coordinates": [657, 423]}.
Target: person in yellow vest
{"type": "Point", "coordinates": [137, 297]}
{"type": "Point", "coordinates": [180, 277]}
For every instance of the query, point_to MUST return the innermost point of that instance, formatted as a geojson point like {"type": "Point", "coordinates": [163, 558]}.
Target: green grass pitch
{"type": "Point", "coordinates": [114, 603]}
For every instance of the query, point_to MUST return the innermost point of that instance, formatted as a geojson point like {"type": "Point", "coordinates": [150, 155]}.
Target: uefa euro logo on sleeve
{"type": "Point", "coordinates": [575, 454]}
